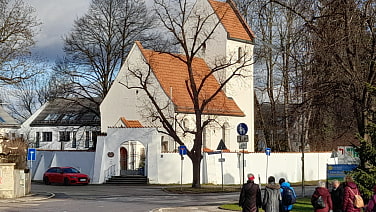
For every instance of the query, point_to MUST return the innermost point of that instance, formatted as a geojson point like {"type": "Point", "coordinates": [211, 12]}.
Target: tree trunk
{"type": "Point", "coordinates": [196, 165]}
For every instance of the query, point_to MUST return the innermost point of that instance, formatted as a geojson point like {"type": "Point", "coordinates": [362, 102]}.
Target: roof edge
{"type": "Point", "coordinates": [241, 18]}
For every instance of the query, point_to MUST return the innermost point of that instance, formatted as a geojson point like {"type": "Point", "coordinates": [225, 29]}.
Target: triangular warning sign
{"type": "Point", "coordinates": [221, 145]}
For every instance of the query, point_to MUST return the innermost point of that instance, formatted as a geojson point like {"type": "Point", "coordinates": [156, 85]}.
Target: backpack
{"type": "Point", "coordinates": [319, 203]}
{"type": "Point", "coordinates": [358, 200]}
{"type": "Point", "coordinates": [288, 196]}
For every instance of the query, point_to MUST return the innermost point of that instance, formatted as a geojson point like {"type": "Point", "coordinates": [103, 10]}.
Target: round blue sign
{"type": "Point", "coordinates": [242, 129]}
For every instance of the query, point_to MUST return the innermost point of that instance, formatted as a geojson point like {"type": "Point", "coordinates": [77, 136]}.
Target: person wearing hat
{"type": "Point", "coordinates": [250, 195]}
{"type": "Point", "coordinates": [372, 202]}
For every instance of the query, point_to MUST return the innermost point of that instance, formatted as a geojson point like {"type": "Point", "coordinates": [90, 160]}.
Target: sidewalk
{"type": "Point", "coordinates": [190, 209]}
{"type": "Point", "coordinates": [30, 197]}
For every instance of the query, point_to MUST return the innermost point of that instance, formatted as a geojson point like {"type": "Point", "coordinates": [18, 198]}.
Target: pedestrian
{"type": "Point", "coordinates": [337, 196]}
{"type": "Point", "coordinates": [288, 196]}
{"type": "Point", "coordinates": [350, 191]}
{"type": "Point", "coordinates": [272, 196]}
{"type": "Point", "coordinates": [250, 195]}
{"type": "Point", "coordinates": [321, 199]}
{"type": "Point", "coordinates": [371, 206]}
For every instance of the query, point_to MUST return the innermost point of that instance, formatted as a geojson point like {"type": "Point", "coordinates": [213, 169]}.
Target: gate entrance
{"type": "Point", "coordinates": [132, 158]}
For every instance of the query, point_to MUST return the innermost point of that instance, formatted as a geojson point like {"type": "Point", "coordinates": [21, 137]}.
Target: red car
{"type": "Point", "coordinates": [66, 175]}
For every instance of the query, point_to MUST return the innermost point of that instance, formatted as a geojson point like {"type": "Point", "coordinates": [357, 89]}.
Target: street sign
{"type": "Point", "coordinates": [221, 160]}
{"type": "Point", "coordinates": [31, 154]}
{"type": "Point", "coordinates": [242, 138]}
{"type": "Point", "coordinates": [182, 150]}
{"type": "Point", "coordinates": [221, 145]}
{"type": "Point", "coordinates": [242, 129]}
{"type": "Point", "coordinates": [268, 151]}
{"type": "Point", "coordinates": [243, 145]}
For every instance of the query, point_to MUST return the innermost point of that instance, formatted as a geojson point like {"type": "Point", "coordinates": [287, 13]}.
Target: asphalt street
{"type": "Point", "coordinates": [93, 198]}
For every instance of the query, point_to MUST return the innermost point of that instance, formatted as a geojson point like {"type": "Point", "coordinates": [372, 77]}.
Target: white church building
{"type": "Point", "coordinates": [127, 116]}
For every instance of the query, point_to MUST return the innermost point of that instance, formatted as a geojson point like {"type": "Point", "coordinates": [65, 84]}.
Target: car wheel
{"type": "Point", "coordinates": [66, 181]}
{"type": "Point", "coordinates": [46, 181]}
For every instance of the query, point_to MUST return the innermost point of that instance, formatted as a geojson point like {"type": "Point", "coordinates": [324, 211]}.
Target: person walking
{"type": "Point", "coordinates": [337, 196]}
{"type": "Point", "coordinates": [321, 199]}
{"type": "Point", "coordinates": [272, 196]}
{"type": "Point", "coordinates": [288, 196]}
{"type": "Point", "coordinates": [350, 191]}
{"type": "Point", "coordinates": [250, 195]}
{"type": "Point", "coordinates": [371, 206]}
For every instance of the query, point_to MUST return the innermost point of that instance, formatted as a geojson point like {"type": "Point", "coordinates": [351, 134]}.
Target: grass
{"type": "Point", "coordinates": [301, 205]}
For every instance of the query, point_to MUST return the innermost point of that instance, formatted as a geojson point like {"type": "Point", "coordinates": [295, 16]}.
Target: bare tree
{"type": "Point", "coordinates": [18, 26]}
{"type": "Point", "coordinates": [99, 43]}
{"type": "Point", "coordinates": [191, 28]}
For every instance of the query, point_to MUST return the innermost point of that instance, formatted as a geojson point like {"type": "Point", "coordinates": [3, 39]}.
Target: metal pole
{"type": "Point", "coordinates": [267, 165]}
{"type": "Point", "coordinates": [243, 166]}
{"type": "Point", "coordinates": [181, 173]}
{"type": "Point", "coordinates": [222, 169]}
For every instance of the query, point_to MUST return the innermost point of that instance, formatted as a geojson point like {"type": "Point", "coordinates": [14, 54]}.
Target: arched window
{"type": "Point", "coordinates": [240, 54]}
{"type": "Point", "coordinates": [226, 132]}
{"type": "Point", "coordinates": [203, 48]}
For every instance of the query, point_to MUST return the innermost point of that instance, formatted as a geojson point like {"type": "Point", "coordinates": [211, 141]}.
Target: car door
{"type": "Point", "coordinates": [51, 174]}
{"type": "Point", "coordinates": [59, 175]}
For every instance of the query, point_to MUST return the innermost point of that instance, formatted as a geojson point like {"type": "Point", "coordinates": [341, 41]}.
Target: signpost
{"type": "Point", "coordinates": [242, 139]}
{"type": "Point", "coordinates": [31, 156]}
{"type": "Point", "coordinates": [221, 146]}
{"type": "Point", "coordinates": [267, 152]}
{"type": "Point", "coordinates": [182, 152]}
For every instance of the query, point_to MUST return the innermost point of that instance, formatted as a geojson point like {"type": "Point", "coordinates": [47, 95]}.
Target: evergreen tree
{"type": "Point", "coordinates": [365, 174]}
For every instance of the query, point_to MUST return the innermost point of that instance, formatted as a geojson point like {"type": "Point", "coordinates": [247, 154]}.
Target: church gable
{"type": "Point", "coordinates": [232, 21]}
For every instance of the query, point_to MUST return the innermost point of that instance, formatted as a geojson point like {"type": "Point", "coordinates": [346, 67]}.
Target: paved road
{"type": "Point", "coordinates": [113, 198]}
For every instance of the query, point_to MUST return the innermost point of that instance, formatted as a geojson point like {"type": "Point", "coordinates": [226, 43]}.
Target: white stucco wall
{"type": "Point", "coordinates": [287, 165]}
{"type": "Point", "coordinates": [81, 160]}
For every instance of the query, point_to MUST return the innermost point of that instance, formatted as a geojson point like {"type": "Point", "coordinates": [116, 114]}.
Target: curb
{"type": "Point", "coordinates": [29, 197]}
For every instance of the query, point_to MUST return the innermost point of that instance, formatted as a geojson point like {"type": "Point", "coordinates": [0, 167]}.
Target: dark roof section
{"type": "Point", "coordinates": [7, 121]}
{"type": "Point", "coordinates": [68, 112]}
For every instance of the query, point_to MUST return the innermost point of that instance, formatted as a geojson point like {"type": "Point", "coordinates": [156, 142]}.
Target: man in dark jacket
{"type": "Point", "coordinates": [250, 196]}
{"type": "Point", "coordinates": [337, 196]}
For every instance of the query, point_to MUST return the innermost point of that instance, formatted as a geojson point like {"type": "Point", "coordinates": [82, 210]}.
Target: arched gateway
{"type": "Point", "coordinates": [111, 152]}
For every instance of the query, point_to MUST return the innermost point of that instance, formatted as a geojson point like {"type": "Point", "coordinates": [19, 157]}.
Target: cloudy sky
{"type": "Point", "coordinates": [57, 18]}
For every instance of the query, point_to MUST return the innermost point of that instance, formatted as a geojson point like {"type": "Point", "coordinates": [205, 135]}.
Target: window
{"type": "Point", "coordinates": [64, 136]}
{"type": "Point", "coordinates": [74, 142]}
{"type": "Point", "coordinates": [52, 117]}
{"type": "Point", "coordinates": [69, 117]}
{"type": "Point", "coordinates": [46, 136]}
{"type": "Point", "coordinates": [87, 139]}
{"type": "Point", "coordinates": [37, 140]}
{"type": "Point", "coordinates": [2, 120]}
{"type": "Point", "coordinates": [226, 132]}
{"type": "Point", "coordinates": [240, 54]}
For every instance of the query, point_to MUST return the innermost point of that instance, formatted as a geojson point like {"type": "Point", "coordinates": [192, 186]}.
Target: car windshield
{"type": "Point", "coordinates": [70, 170]}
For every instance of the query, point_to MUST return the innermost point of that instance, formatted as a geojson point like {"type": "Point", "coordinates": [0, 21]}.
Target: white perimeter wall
{"type": "Point", "coordinates": [81, 160]}
{"type": "Point", "coordinates": [167, 166]}
{"type": "Point", "coordinates": [287, 165]}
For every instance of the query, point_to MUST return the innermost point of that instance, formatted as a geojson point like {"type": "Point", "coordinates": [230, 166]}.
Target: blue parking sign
{"type": "Point", "coordinates": [268, 151]}
{"type": "Point", "coordinates": [31, 154]}
{"type": "Point", "coordinates": [182, 150]}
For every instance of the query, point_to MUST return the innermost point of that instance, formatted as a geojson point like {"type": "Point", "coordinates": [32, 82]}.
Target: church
{"type": "Point", "coordinates": [153, 86]}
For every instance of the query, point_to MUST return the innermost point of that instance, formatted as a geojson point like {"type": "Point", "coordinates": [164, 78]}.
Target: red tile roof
{"type": "Point", "coordinates": [172, 74]}
{"type": "Point", "coordinates": [131, 123]}
{"type": "Point", "coordinates": [232, 21]}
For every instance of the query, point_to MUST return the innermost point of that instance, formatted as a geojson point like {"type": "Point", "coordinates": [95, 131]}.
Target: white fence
{"type": "Point", "coordinates": [168, 168]}
{"type": "Point", "coordinates": [287, 165]}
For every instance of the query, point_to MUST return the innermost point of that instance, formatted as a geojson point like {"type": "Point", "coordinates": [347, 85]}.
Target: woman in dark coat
{"type": "Point", "coordinates": [250, 196]}
{"type": "Point", "coordinates": [322, 191]}
{"type": "Point", "coordinates": [272, 196]}
{"type": "Point", "coordinates": [349, 194]}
